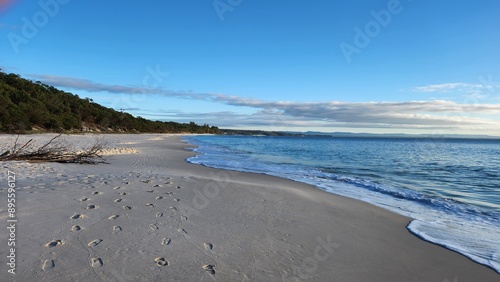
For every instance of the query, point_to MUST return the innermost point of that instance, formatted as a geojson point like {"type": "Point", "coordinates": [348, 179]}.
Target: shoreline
{"type": "Point", "coordinates": [243, 226]}
{"type": "Point", "coordinates": [452, 230]}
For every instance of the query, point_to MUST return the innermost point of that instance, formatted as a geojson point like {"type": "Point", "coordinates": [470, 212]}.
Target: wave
{"type": "Point", "coordinates": [470, 230]}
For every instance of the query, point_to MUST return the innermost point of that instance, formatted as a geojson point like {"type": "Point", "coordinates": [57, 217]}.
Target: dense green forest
{"type": "Point", "coordinates": [27, 106]}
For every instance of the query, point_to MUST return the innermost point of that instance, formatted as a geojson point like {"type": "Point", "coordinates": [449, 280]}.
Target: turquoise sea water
{"type": "Point", "coordinates": [451, 188]}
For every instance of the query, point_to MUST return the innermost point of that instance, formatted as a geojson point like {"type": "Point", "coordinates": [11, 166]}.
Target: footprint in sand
{"type": "Point", "coordinates": [159, 197]}
{"type": "Point", "coordinates": [173, 208]}
{"type": "Point", "coordinates": [159, 214]}
{"type": "Point", "coordinates": [96, 193]}
{"type": "Point", "coordinates": [178, 187]}
{"type": "Point", "coordinates": [127, 207]}
{"type": "Point", "coordinates": [208, 246]}
{"type": "Point", "coordinates": [96, 262]}
{"type": "Point", "coordinates": [146, 181]}
{"type": "Point", "coordinates": [118, 200]}
{"type": "Point", "coordinates": [170, 193]}
{"type": "Point", "coordinates": [54, 243]}
{"type": "Point", "coordinates": [84, 199]}
{"type": "Point", "coordinates": [166, 241]}
{"type": "Point", "coordinates": [153, 226]}
{"type": "Point", "coordinates": [184, 218]}
{"type": "Point", "coordinates": [182, 231]}
{"type": "Point", "coordinates": [117, 187]}
{"type": "Point", "coordinates": [94, 243]}
{"type": "Point", "coordinates": [91, 207]}
{"type": "Point", "coordinates": [161, 261]}
{"type": "Point", "coordinates": [48, 264]}
{"type": "Point", "coordinates": [157, 185]}
{"type": "Point", "coordinates": [77, 216]}
{"type": "Point", "coordinates": [176, 200]}
{"type": "Point", "coordinates": [113, 217]}
{"type": "Point", "coordinates": [75, 228]}
{"type": "Point", "coordinates": [209, 268]}
{"type": "Point", "coordinates": [117, 228]}
{"type": "Point", "coordinates": [150, 205]}
{"type": "Point", "coordinates": [123, 193]}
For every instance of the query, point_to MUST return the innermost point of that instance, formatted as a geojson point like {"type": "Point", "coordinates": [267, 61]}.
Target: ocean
{"type": "Point", "coordinates": [449, 187]}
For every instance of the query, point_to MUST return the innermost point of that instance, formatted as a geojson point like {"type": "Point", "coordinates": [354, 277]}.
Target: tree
{"type": "Point", "coordinates": [24, 103]}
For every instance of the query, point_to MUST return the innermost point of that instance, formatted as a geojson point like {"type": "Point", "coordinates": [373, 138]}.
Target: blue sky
{"type": "Point", "coordinates": [360, 66]}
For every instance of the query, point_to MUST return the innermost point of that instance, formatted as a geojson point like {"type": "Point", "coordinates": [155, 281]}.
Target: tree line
{"type": "Point", "coordinates": [26, 105]}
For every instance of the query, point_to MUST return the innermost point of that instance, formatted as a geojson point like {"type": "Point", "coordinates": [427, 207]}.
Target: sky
{"type": "Point", "coordinates": [378, 66]}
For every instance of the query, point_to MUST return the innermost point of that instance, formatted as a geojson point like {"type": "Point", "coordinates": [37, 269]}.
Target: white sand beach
{"type": "Point", "coordinates": [149, 215]}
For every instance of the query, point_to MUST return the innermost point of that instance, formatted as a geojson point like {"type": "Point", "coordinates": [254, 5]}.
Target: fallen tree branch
{"type": "Point", "coordinates": [55, 151]}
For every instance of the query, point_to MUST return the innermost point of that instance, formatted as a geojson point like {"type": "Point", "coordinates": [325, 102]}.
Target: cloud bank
{"type": "Point", "coordinates": [426, 115]}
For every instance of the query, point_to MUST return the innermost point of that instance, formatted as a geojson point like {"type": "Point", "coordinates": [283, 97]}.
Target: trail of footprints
{"type": "Point", "coordinates": [49, 264]}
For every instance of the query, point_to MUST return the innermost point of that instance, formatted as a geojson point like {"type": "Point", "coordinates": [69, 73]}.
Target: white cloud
{"type": "Point", "coordinates": [475, 92]}
{"type": "Point", "coordinates": [444, 87]}
{"type": "Point", "coordinates": [429, 115]}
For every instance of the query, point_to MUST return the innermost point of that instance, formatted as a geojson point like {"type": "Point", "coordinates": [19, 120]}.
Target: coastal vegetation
{"type": "Point", "coordinates": [27, 106]}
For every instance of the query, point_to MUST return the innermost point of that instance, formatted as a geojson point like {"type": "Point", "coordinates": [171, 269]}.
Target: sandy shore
{"type": "Point", "coordinates": [150, 216]}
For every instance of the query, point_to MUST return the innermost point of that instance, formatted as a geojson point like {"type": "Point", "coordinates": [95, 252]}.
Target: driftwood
{"type": "Point", "coordinates": [54, 151]}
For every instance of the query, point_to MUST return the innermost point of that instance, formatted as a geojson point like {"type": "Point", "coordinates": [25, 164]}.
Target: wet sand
{"type": "Point", "coordinates": [151, 216]}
